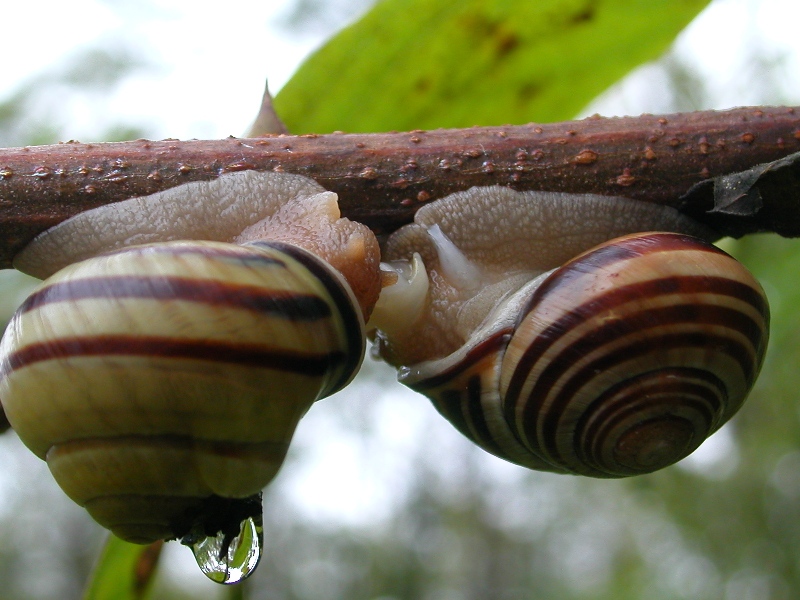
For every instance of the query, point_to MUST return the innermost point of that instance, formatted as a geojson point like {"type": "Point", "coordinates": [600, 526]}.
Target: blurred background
{"type": "Point", "coordinates": [380, 498]}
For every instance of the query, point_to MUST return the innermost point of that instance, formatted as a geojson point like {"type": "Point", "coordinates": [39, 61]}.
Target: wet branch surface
{"type": "Point", "coordinates": [383, 178]}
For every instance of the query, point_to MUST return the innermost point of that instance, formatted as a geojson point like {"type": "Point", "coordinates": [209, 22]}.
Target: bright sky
{"type": "Point", "coordinates": [210, 64]}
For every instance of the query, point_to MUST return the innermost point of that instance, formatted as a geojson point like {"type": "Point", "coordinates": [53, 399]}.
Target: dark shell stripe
{"type": "Point", "coordinates": [699, 390]}
{"type": "Point", "coordinates": [551, 335]}
{"type": "Point", "coordinates": [347, 309]}
{"type": "Point", "coordinates": [715, 286]}
{"type": "Point", "coordinates": [458, 393]}
{"type": "Point", "coordinates": [465, 403]}
{"type": "Point", "coordinates": [481, 432]}
{"type": "Point", "coordinates": [469, 400]}
{"type": "Point", "coordinates": [722, 287]}
{"type": "Point", "coordinates": [261, 450]}
{"type": "Point", "coordinates": [249, 355]}
{"type": "Point", "coordinates": [450, 404]}
{"type": "Point", "coordinates": [278, 303]}
{"type": "Point", "coordinates": [329, 309]}
{"type": "Point", "coordinates": [621, 400]}
{"type": "Point", "coordinates": [539, 421]}
{"type": "Point", "coordinates": [475, 355]}
{"type": "Point", "coordinates": [622, 250]}
{"type": "Point", "coordinates": [644, 323]}
{"type": "Point", "coordinates": [462, 406]}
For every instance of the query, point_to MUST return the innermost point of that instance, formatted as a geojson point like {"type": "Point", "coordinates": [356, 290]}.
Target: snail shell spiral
{"type": "Point", "coordinates": [617, 363]}
{"type": "Point", "coordinates": [148, 393]}
{"type": "Point", "coordinates": [163, 382]}
{"type": "Point", "coordinates": [622, 362]}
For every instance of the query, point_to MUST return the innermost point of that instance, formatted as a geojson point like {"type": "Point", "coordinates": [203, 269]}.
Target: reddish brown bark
{"type": "Point", "coordinates": [383, 178]}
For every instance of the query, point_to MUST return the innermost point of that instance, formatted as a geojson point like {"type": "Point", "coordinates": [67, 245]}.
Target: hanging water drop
{"type": "Point", "coordinates": [226, 559]}
{"type": "Point", "coordinates": [226, 537]}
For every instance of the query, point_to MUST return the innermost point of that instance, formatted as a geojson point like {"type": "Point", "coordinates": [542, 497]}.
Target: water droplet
{"type": "Point", "coordinates": [226, 559]}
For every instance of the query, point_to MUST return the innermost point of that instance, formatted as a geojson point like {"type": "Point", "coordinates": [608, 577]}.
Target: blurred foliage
{"type": "Point", "coordinates": [123, 571]}
{"type": "Point", "coordinates": [455, 523]}
{"type": "Point", "coordinates": [446, 63]}
{"type": "Point", "coordinates": [312, 16]}
{"type": "Point", "coordinates": [35, 113]}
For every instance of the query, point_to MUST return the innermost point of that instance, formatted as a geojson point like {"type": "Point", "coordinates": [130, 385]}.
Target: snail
{"type": "Point", "coordinates": [569, 333]}
{"type": "Point", "coordinates": [162, 366]}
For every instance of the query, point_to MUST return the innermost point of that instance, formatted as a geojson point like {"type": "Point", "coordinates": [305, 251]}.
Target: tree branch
{"type": "Point", "coordinates": [383, 178]}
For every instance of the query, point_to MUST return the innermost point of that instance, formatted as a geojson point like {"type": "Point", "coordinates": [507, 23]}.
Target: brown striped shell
{"type": "Point", "coordinates": [147, 394]}
{"type": "Point", "coordinates": [620, 362]}
{"type": "Point", "coordinates": [163, 382]}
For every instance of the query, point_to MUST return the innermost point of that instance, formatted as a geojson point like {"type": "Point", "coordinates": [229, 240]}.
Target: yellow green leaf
{"type": "Point", "coordinates": [411, 64]}
{"type": "Point", "coordinates": [124, 571]}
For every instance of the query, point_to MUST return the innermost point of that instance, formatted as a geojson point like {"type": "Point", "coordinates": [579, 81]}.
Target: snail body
{"type": "Point", "coordinates": [618, 362]}
{"type": "Point", "coordinates": [157, 379]}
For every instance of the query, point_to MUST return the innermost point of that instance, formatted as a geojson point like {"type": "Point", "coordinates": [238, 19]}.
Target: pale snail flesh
{"type": "Point", "coordinates": [160, 380]}
{"type": "Point", "coordinates": [617, 362]}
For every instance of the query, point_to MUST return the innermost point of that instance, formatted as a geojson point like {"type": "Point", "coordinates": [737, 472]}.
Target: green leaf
{"type": "Point", "coordinates": [124, 571]}
{"type": "Point", "coordinates": [410, 64]}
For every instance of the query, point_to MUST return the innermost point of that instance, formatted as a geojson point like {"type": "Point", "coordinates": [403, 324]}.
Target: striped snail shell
{"type": "Point", "coordinates": [618, 362]}
{"type": "Point", "coordinates": [159, 380]}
